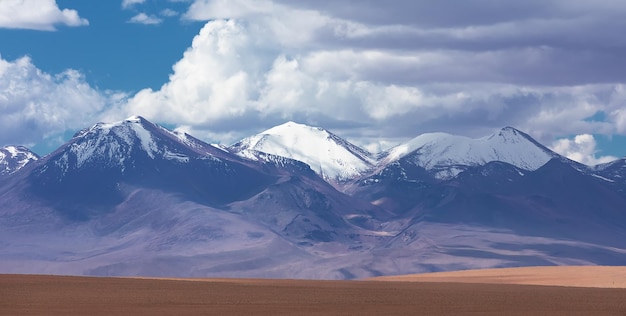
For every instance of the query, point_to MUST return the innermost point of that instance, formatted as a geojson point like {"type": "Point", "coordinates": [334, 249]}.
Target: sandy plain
{"type": "Point", "coordinates": [579, 276]}
{"type": "Point", "coordinates": [63, 295]}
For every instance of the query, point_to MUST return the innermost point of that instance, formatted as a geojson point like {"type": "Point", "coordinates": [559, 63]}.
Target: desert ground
{"type": "Point", "coordinates": [481, 292]}
{"type": "Point", "coordinates": [579, 276]}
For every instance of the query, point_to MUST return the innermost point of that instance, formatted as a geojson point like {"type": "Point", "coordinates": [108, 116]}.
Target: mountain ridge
{"type": "Point", "coordinates": [341, 161]}
{"type": "Point", "coordinates": [448, 155]}
{"type": "Point", "coordinates": [134, 198]}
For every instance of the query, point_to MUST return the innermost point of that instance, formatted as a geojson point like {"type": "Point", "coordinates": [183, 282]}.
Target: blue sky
{"type": "Point", "coordinates": [376, 73]}
{"type": "Point", "coordinates": [111, 52]}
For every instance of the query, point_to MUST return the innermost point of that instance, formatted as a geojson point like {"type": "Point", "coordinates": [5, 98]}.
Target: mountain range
{"type": "Point", "coordinates": [134, 198]}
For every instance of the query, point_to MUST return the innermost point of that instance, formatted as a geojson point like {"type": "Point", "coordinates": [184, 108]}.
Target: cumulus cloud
{"type": "Point", "coordinates": [35, 105]}
{"type": "Point", "coordinates": [146, 19]}
{"type": "Point", "coordinates": [257, 63]}
{"type": "Point", "coordinates": [232, 71]}
{"type": "Point", "coordinates": [41, 15]}
{"type": "Point", "coordinates": [581, 148]}
{"type": "Point", "coordinates": [379, 71]}
{"type": "Point", "coordinates": [209, 83]}
{"type": "Point", "coordinates": [531, 43]}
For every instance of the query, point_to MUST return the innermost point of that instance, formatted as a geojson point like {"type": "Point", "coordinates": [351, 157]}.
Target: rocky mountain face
{"type": "Point", "coordinates": [134, 198]}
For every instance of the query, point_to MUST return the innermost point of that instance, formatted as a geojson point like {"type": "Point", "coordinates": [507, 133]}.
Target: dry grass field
{"type": "Point", "coordinates": [61, 295]}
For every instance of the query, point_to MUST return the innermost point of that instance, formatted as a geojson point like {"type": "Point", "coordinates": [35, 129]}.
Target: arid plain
{"type": "Point", "coordinates": [519, 291]}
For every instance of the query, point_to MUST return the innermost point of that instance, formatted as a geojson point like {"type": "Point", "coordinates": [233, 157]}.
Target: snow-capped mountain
{"type": "Point", "coordinates": [102, 164]}
{"type": "Point", "coordinates": [616, 168]}
{"type": "Point", "coordinates": [14, 158]}
{"type": "Point", "coordinates": [122, 197]}
{"type": "Point", "coordinates": [446, 155]}
{"type": "Point", "coordinates": [330, 156]}
{"type": "Point", "coordinates": [133, 198]}
{"type": "Point", "coordinates": [614, 171]}
{"type": "Point", "coordinates": [118, 144]}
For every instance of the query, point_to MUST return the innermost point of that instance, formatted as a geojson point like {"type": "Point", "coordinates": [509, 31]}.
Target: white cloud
{"type": "Point", "coordinates": [35, 105]}
{"type": "Point", "coordinates": [231, 71]}
{"type": "Point", "coordinates": [211, 82]}
{"type": "Point", "coordinates": [168, 13]}
{"type": "Point", "coordinates": [289, 27]}
{"type": "Point", "coordinates": [375, 67]}
{"type": "Point", "coordinates": [582, 149]}
{"type": "Point", "coordinates": [618, 102]}
{"type": "Point", "coordinates": [129, 3]}
{"type": "Point", "coordinates": [37, 15]}
{"type": "Point", "coordinates": [143, 18]}
{"type": "Point", "coordinates": [257, 62]}
{"type": "Point", "coordinates": [619, 117]}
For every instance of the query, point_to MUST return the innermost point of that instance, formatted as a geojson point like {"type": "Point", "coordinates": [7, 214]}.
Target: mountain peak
{"type": "Point", "coordinates": [511, 134]}
{"type": "Point", "coordinates": [327, 154]}
{"type": "Point", "coordinates": [122, 143]}
{"type": "Point", "coordinates": [291, 126]}
{"type": "Point", "coordinates": [134, 119]}
{"type": "Point", "coordinates": [451, 153]}
{"type": "Point", "coordinates": [292, 123]}
{"type": "Point", "coordinates": [129, 121]}
{"type": "Point", "coordinates": [510, 129]}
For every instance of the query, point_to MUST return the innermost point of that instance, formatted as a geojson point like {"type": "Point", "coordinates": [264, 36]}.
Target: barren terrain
{"type": "Point", "coordinates": [579, 276]}
{"type": "Point", "coordinates": [63, 295]}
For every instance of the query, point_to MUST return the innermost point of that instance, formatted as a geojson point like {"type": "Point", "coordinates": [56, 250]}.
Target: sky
{"type": "Point", "coordinates": [374, 72]}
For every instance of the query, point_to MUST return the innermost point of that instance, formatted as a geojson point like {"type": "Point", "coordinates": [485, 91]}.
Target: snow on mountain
{"type": "Point", "coordinates": [14, 158]}
{"type": "Point", "coordinates": [102, 166]}
{"type": "Point", "coordinates": [116, 143]}
{"type": "Point", "coordinates": [146, 201]}
{"type": "Point", "coordinates": [448, 155]}
{"type": "Point", "coordinates": [614, 171]}
{"type": "Point", "coordinates": [330, 156]}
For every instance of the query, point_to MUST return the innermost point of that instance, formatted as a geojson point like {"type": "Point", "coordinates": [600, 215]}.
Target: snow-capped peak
{"type": "Point", "coordinates": [134, 119]}
{"type": "Point", "coordinates": [330, 156]}
{"type": "Point", "coordinates": [112, 140]}
{"type": "Point", "coordinates": [14, 158]}
{"type": "Point", "coordinates": [442, 151]}
{"type": "Point", "coordinates": [123, 144]}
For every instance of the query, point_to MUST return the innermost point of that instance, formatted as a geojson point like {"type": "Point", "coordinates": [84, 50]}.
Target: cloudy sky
{"type": "Point", "coordinates": [374, 72]}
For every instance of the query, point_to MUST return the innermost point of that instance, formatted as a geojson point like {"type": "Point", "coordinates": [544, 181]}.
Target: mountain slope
{"type": "Point", "coordinates": [330, 156]}
{"type": "Point", "coordinates": [14, 158]}
{"type": "Point", "coordinates": [614, 170]}
{"type": "Point", "coordinates": [101, 166]}
{"type": "Point", "coordinates": [131, 198]}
